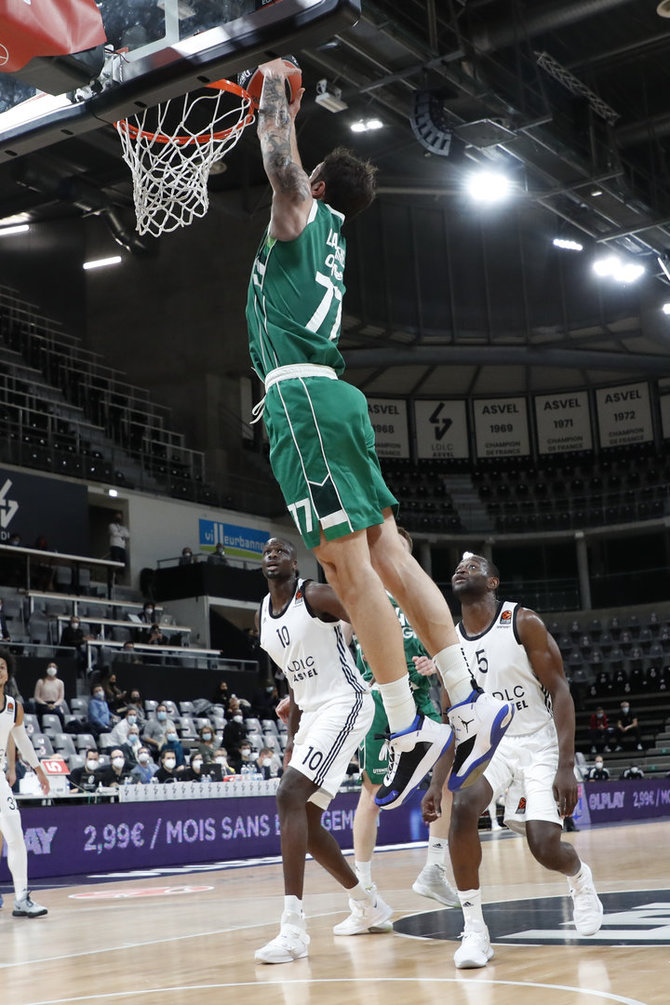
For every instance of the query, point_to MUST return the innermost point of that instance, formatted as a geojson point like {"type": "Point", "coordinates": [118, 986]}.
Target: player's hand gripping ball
{"type": "Point", "coordinates": [252, 80]}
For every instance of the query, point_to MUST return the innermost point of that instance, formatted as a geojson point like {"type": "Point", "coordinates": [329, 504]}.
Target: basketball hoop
{"type": "Point", "coordinates": [170, 150]}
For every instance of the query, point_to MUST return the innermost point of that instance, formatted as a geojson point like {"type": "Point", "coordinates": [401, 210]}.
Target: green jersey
{"type": "Point", "coordinates": [294, 303]}
{"type": "Point", "coordinates": [419, 684]}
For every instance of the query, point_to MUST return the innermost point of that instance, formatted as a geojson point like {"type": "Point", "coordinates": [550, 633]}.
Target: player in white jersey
{"type": "Point", "coordinates": [512, 654]}
{"type": "Point", "coordinates": [11, 724]}
{"type": "Point", "coordinates": [331, 710]}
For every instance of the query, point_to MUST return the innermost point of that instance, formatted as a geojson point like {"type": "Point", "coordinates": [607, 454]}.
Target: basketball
{"type": "Point", "coordinates": [252, 81]}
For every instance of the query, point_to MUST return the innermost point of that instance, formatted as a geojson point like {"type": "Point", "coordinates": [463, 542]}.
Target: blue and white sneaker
{"type": "Point", "coordinates": [412, 754]}
{"type": "Point", "coordinates": [479, 724]}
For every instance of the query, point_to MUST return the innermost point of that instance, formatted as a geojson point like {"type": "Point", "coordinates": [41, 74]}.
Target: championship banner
{"type": "Point", "coordinates": [389, 421]}
{"type": "Point", "coordinates": [563, 422]}
{"type": "Point", "coordinates": [501, 427]}
{"type": "Point", "coordinates": [624, 415]}
{"type": "Point", "coordinates": [441, 429]}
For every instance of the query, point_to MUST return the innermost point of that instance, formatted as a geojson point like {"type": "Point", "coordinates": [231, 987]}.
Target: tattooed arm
{"type": "Point", "coordinates": [291, 189]}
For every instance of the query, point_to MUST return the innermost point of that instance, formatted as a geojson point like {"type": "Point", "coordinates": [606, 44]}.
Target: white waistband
{"type": "Point", "coordinates": [295, 370]}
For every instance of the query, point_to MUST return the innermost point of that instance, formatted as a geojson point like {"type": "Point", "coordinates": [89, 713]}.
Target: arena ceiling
{"type": "Point", "coordinates": [570, 98]}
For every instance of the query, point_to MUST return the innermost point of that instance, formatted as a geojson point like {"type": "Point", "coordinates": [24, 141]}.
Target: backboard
{"type": "Point", "coordinates": [157, 49]}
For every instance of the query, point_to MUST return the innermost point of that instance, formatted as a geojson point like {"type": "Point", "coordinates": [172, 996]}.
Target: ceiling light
{"type": "Point", "coordinates": [596, 192]}
{"type": "Point", "coordinates": [613, 267]}
{"type": "Point", "coordinates": [19, 228]}
{"type": "Point", "coordinates": [113, 493]}
{"type": "Point", "coordinates": [330, 97]}
{"type": "Point", "coordinates": [101, 263]}
{"type": "Point", "coordinates": [366, 125]}
{"type": "Point", "coordinates": [566, 245]}
{"type": "Point", "coordinates": [7, 221]}
{"type": "Point", "coordinates": [666, 308]}
{"type": "Point", "coordinates": [664, 262]}
{"type": "Point", "coordinates": [489, 186]}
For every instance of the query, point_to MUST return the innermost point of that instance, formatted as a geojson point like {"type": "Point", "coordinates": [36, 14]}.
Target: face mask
{"type": "Point", "coordinates": [625, 709]}
{"type": "Point", "coordinates": [207, 736]}
{"type": "Point", "coordinates": [99, 695]}
{"type": "Point", "coordinates": [220, 760]}
{"type": "Point", "coordinates": [599, 764]}
{"type": "Point", "coordinates": [599, 714]}
{"type": "Point", "coordinates": [91, 765]}
{"type": "Point", "coordinates": [131, 720]}
{"type": "Point", "coordinates": [135, 698]}
{"type": "Point", "coordinates": [245, 753]}
{"type": "Point", "coordinates": [75, 624]}
{"type": "Point", "coordinates": [238, 718]}
{"type": "Point", "coordinates": [134, 738]}
{"type": "Point", "coordinates": [196, 765]}
{"type": "Point", "coordinates": [117, 762]}
{"type": "Point", "coordinates": [143, 757]}
{"type": "Point", "coordinates": [52, 671]}
{"type": "Point", "coordinates": [171, 737]}
{"type": "Point", "coordinates": [170, 763]}
{"type": "Point", "coordinates": [161, 716]}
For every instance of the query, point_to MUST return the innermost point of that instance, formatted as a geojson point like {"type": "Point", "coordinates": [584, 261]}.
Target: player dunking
{"type": "Point", "coordinates": [11, 724]}
{"type": "Point", "coordinates": [322, 450]}
{"type": "Point", "coordinates": [510, 651]}
{"type": "Point", "coordinates": [331, 710]}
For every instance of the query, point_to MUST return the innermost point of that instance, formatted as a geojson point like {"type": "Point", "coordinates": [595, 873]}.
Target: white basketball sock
{"type": "Point", "coordinates": [454, 672]}
{"type": "Point", "coordinates": [398, 704]}
{"type": "Point", "coordinates": [471, 902]}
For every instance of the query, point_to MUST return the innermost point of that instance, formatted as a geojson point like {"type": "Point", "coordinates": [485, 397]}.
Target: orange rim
{"type": "Point", "coordinates": [220, 85]}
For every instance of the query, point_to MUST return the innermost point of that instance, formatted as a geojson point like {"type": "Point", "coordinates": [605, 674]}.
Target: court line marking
{"type": "Point", "coordinates": [605, 996]}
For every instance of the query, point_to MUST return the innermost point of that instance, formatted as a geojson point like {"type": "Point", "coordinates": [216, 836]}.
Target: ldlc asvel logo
{"type": "Point", "coordinates": [8, 507]}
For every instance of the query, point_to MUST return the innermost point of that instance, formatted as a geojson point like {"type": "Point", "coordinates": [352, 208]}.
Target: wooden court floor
{"type": "Point", "coordinates": [171, 937]}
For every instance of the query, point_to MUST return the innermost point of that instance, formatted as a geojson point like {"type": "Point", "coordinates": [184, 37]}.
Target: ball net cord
{"type": "Point", "coordinates": [170, 164]}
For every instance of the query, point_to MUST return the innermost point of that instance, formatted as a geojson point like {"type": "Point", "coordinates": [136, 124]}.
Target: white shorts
{"type": "Point", "coordinates": [328, 739]}
{"type": "Point", "coordinates": [523, 768]}
{"type": "Point", "coordinates": [10, 818]}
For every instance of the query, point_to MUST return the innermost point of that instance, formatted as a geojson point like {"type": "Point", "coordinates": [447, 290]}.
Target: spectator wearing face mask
{"type": "Point", "coordinates": [268, 764]}
{"type": "Point", "coordinates": [119, 734]}
{"type": "Point", "coordinates": [196, 770]}
{"type": "Point", "coordinates": [99, 715]}
{"type": "Point", "coordinates": [132, 745]}
{"type": "Point", "coordinates": [73, 635]}
{"type": "Point", "coordinates": [186, 557]}
{"type": "Point", "coordinates": [244, 763]}
{"type": "Point", "coordinates": [116, 772]}
{"type": "Point", "coordinates": [207, 745]}
{"type": "Point", "coordinates": [221, 760]}
{"type": "Point", "coordinates": [49, 693]}
{"type": "Point", "coordinates": [173, 743]}
{"type": "Point", "coordinates": [628, 729]}
{"type": "Point", "coordinates": [599, 731]}
{"type": "Point", "coordinates": [167, 771]}
{"type": "Point", "coordinates": [598, 772]}
{"type": "Point", "coordinates": [86, 778]}
{"type": "Point", "coordinates": [156, 729]}
{"type": "Point", "coordinates": [135, 702]}
{"type": "Point", "coordinates": [145, 768]}
{"type": "Point", "coordinates": [234, 731]}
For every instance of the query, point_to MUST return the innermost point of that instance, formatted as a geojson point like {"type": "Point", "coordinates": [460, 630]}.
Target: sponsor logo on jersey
{"type": "Point", "coordinates": [298, 599]}
{"type": "Point", "coordinates": [505, 617]}
{"type": "Point", "coordinates": [521, 808]}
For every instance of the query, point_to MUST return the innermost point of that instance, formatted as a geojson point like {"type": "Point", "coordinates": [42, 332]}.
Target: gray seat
{"type": "Point", "coordinates": [79, 706]}
{"type": "Point", "coordinates": [186, 707]}
{"type": "Point", "coordinates": [42, 744]}
{"type": "Point", "coordinates": [75, 761]}
{"type": "Point", "coordinates": [105, 741]}
{"type": "Point", "coordinates": [172, 709]}
{"type": "Point", "coordinates": [31, 723]}
{"type": "Point", "coordinates": [269, 726]}
{"type": "Point", "coordinates": [85, 740]}
{"type": "Point", "coordinates": [63, 577]}
{"type": "Point", "coordinates": [51, 723]}
{"type": "Point", "coordinates": [64, 744]}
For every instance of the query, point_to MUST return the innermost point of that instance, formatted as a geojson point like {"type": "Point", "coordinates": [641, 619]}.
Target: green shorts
{"type": "Point", "coordinates": [322, 452]}
{"type": "Point", "coordinates": [369, 753]}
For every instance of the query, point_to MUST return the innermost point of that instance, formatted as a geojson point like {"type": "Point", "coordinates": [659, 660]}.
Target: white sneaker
{"type": "Point", "coordinates": [432, 882]}
{"type": "Point", "coordinates": [366, 918]}
{"type": "Point", "coordinates": [479, 724]}
{"type": "Point", "coordinates": [475, 949]}
{"type": "Point", "coordinates": [291, 944]}
{"type": "Point", "coordinates": [587, 910]}
{"type": "Point", "coordinates": [412, 754]}
{"type": "Point", "coordinates": [27, 908]}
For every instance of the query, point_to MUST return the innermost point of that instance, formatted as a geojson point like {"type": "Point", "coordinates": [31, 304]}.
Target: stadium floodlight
{"type": "Point", "coordinates": [101, 263]}
{"type": "Point", "coordinates": [366, 125]}
{"type": "Point", "coordinates": [666, 308]}
{"type": "Point", "coordinates": [489, 186]}
{"type": "Point", "coordinates": [565, 245]}
{"type": "Point", "coordinates": [19, 228]}
{"type": "Point", "coordinates": [612, 267]}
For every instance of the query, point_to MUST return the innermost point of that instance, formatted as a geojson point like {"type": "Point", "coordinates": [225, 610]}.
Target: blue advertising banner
{"type": "Point", "coordinates": [243, 542]}
{"type": "Point", "coordinates": [65, 839]}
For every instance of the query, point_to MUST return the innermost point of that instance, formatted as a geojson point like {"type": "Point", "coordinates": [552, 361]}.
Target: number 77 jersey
{"type": "Point", "coordinates": [294, 302]}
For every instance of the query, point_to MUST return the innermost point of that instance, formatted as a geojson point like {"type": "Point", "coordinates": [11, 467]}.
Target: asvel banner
{"type": "Point", "coordinates": [243, 542]}
{"type": "Point", "coordinates": [624, 415]}
{"type": "Point", "coordinates": [441, 429]}
{"type": "Point", "coordinates": [389, 421]}
{"type": "Point", "coordinates": [501, 427]}
{"type": "Point", "coordinates": [32, 506]}
{"type": "Point", "coordinates": [563, 422]}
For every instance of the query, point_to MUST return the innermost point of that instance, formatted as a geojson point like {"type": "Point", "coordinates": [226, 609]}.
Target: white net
{"type": "Point", "coordinates": [170, 153]}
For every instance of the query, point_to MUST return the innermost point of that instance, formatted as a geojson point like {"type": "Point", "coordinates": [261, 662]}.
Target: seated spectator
{"type": "Point", "coordinates": [116, 772]}
{"type": "Point", "coordinates": [627, 729]}
{"type": "Point", "coordinates": [633, 771]}
{"type": "Point", "coordinates": [167, 771]}
{"type": "Point", "coordinates": [599, 731]}
{"type": "Point", "coordinates": [132, 745]}
{"type": "Point", "coordinates": [207, 744]}
{"type": "Point", "coordinates": [195, 771]}
{"type": "Point", "coordinates": [218, 556]}
{"type": "Point", "coordinates": [234, 732]}
{"type": "Point", "coordinates": [49, 693]}
{"type": "Point", "coordinates": [115, 696]}
{"type": "Point", "coordinates": [243, 762]}
{"type": "Point", "coordinates": [173, 743]}
{"type": "Point", "coordinates": [147, 616]}
{"type": "Point", "coordinates": [4, 630]}
{"type": "Point", "coordinates": [145, 769]}
{"type": "Point", "coordinates": [598, 772]}
{"type": "Point", "coordinates": [186, 557]}
{"type": "Point", "coordinates": [268, 764]}
{"type": "Point", "coordinates": [265, 702]}
{"type": "Point", "coordinates": [155, 636]}
{"type": "Point", "coordinates": [73, 636]}
{"type": "Point", "coordinates": [85, 778]}
{"type": "Point", "coordinates": [156, 729]}
{"type": "Point", "coordinates": [135, 702]}
{"type": "Point", "coordinates": [221, 758]}
{"type": "Point", "coordinates": [221, 694]}
{"type": "Point", "coordinates": [120, 731]}
{"type": "Point", "coordinates": [99, 715]}
{"type": "Point", "coordinates": [128, 654]}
